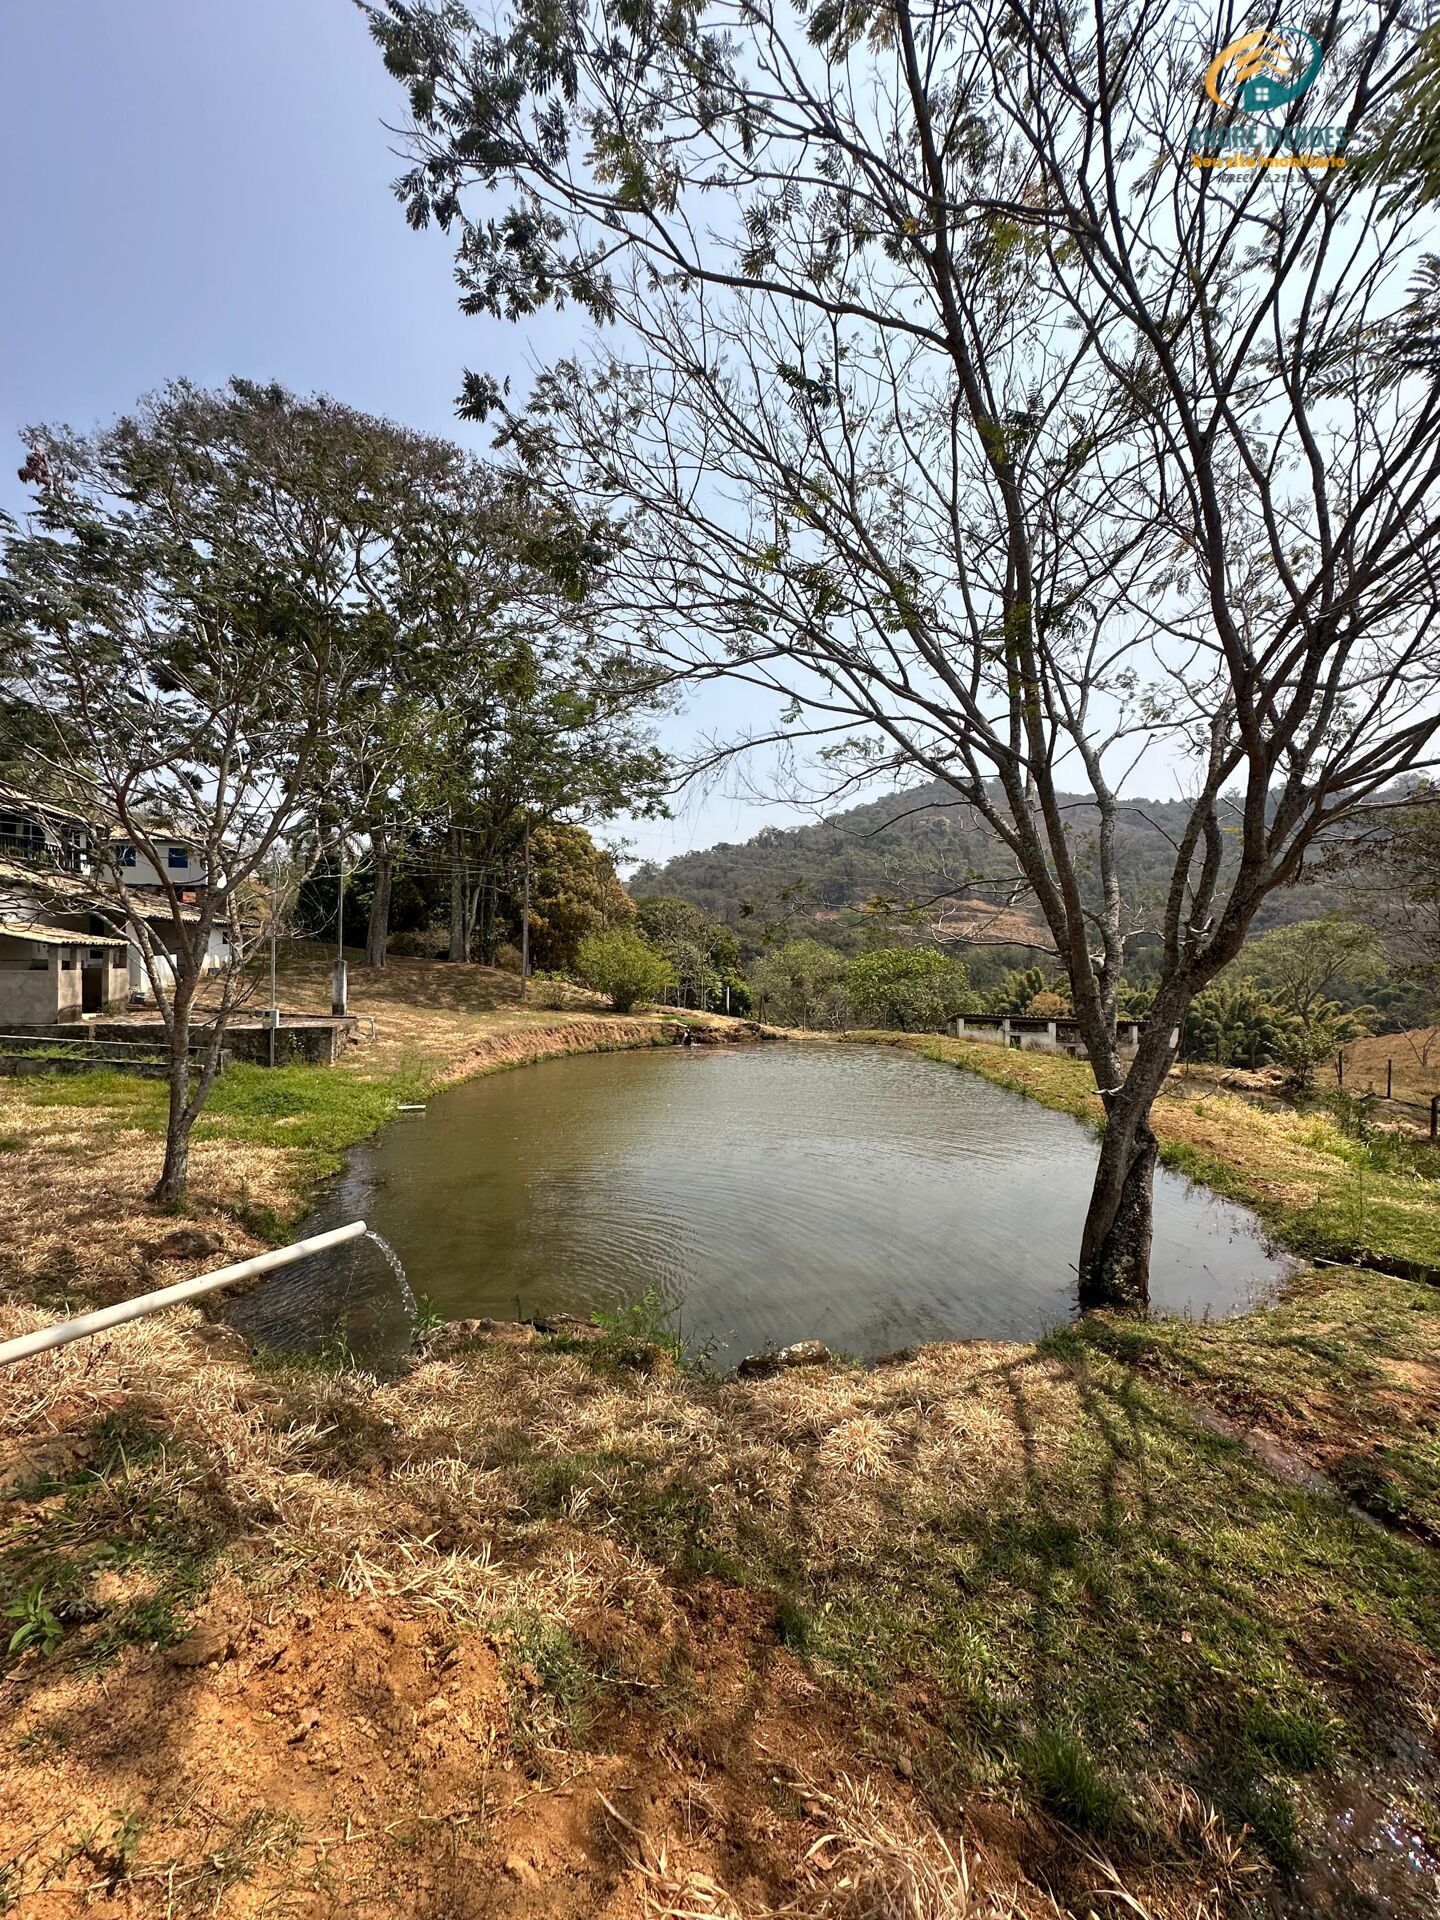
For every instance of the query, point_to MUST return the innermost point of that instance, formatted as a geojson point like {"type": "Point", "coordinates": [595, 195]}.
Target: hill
{"type": "Point", "coordinates": [930, 863]}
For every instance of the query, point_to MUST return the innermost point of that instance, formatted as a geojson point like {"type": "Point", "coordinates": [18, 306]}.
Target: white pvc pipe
{"type": "Point", "coordinates": [59, 1336]}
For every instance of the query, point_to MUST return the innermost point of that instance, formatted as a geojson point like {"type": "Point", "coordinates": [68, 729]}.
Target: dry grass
{"type": "Point", "coordinates": [924, 1562]}
{"type": "Point", "coordinates": [874, 1858]}
{"type": "Point", "coordinates": [1414, 1058]}
{"type": "Point", "coordinates": [535, 1629]}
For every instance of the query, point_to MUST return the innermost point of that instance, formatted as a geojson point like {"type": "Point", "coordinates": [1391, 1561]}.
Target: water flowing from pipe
{"type": "Point", "coordinates": [412, 1306]}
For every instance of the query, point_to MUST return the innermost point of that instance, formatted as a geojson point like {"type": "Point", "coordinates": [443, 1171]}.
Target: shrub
{"type": "Point", "coordinates": [1314, 1037]}
{"type": "Point", "coordinates": [1048, 1006]}
{"type": "Point", "coordinates": [907, 989]}
{"type": "Point", "coordinates": [798, 985]}
{"type": "Point", "coordinates": [622, 966]}
{"type": "Point", "coordinates": [1233, 1024]}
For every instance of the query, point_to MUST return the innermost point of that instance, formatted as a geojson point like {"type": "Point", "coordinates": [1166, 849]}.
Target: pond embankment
{"type": "Point", "coordinates": [551, 1626]}
{"type": "Point", "coordinates": [79, 1154]}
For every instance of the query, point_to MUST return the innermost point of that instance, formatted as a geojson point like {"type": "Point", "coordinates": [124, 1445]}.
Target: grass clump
{"type": "Point", "coordinates": [641, 1327]}
{"type": "Point", "coordinates": [550, 1680]}
{"type": "Point", "coordinates": [1065, 1778]}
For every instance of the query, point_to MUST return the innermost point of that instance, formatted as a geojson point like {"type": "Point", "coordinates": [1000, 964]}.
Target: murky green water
{"type": "Point", "coordinates": [856, 1194]}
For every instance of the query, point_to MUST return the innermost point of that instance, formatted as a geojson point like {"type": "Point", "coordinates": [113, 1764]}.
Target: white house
{"type": "Point", "coordinates": [185, 869]}
{"type": "Point", "coordinates": [184, 862]}
{"type": "Point", "coordinates": [65, 949]}
{"type": "Point", "coordinates": [43, 833]}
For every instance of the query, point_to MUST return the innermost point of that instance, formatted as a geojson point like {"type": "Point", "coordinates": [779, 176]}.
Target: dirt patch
{"type": "Point", "coordinates": [547, 1626]}
{"type": "Point", "coordinates": [338, 1757]}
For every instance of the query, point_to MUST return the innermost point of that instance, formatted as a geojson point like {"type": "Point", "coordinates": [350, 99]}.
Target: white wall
{"type": "Point", "coordinates": [143, 873]}
{"type": "Point", "coordinates": [217, 955]}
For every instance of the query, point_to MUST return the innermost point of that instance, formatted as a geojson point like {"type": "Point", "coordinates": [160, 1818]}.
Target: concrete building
{"type": "Point", "coordinates": [1035, 1033]}
{"type": "Point", "coordinates": [49, 880]}
{"type": "Point", "coordinates": [51, 974]}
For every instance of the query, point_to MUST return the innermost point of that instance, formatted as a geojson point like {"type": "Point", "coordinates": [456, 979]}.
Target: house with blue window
{"type": "Point", "coordinates": [77, 908]}
{"type": "Point", "coordinates": [184, 863]}
{"type": "Point", "coordinates": [167, 863]}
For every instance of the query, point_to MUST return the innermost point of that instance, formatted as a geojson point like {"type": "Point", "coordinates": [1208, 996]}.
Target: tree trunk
{"type": "Point", "coordinates": [378, 930]}
{"type": "Point", "coordinates": [170, 1189]}
{"type": "Point", "coordinates": [487, 923]}
{"type": "Point", "coordinates": [459, 928]}
{"type": "Point", "coordinates": [1115, 1247]}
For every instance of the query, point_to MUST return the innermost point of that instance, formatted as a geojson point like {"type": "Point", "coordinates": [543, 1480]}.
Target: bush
{"type": "Point", "coordinates": [1316, 1037]}
{"type": "Point", "coordinates": [1048, 1006]}
{"type": "Point", "coordinates": [1233, 1024]}
{"type": "Point", "coordinates": [1019, 990]}
{"type": "Point", "coordinates": [622, 966]}
{"type": "Point", "coordinates": [907, 989]}
{"type": "Point", "coordinates": [798, 985]}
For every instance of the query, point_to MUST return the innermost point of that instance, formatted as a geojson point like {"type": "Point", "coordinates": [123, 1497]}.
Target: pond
{"type": "Point", "coordinates": [854, 1194]}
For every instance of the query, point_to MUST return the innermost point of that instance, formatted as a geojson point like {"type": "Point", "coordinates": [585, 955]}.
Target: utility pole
{"type": "Point", "coordinates": [525, 923]}
{"type": "Point", "coordinates": [340, 979]}
{"type": "Point", "coordinates": [272, 1017]}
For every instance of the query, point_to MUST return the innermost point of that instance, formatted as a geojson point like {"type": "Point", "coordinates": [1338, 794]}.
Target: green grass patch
{"type": "Point", "coordinates": [118, 1556]}
{"type": "Point", "coordinates": [1343, 1367]}
{"type": "Point", "coordinates": [1064, 1777]}
{"type": "Point", "coordinates": [1146, 1598]}
{"type": "Point", "coordinates": [318, 1110]}
{"type": "Point", "coordinates": [551, 1681]}
{"type": "Point", "coordinates": [660, 1513]}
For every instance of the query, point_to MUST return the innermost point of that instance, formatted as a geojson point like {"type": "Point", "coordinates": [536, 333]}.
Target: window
{"type": "Point", "coordinates": [127, 856]}
{"type": "Point", "coordinates": [177, 857]}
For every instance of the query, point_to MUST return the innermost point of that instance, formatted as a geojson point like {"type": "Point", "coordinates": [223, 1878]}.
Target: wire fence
{"type": "Point", "coordinates": [1428, 1105]}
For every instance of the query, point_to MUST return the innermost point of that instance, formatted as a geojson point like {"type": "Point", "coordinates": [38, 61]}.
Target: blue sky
{"type": "Point", "coordinates": [201, 188]}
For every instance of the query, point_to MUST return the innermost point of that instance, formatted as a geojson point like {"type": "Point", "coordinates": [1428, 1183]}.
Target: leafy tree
{"type": "Point", "coordinates": [1301, 968]}
{"type": "Point", "coordinates": [1303, 1044]}
{"type": "Point", "coordinates": [938, 411]}
{"type": "Point", "coordinates": [800, 985]}
{"type": "Point", "coordinates": [1048, 1005]}
{"type": "Point", "coordinates": [1234, 1025]}
{"type": "Point", "coordinates": [574, 893]}
{"type": "Point", "coordinates": [504, 709]}
{"type": "Point", "coordinates": [190, 639]}
{"type": "Point", "coordinates": [571, 743]}
{"type": "Point", "coordinates": [624, 967]}
{"type": "Point", "coordinates": [704, 955]}
{"type": "Point", "coordinates": [907, 989]}
{"type": "Point", "coordinates": [1020, 988]}
{"type": "Point", "coordinates": [1402, 156]}
{"type": "Point", "coordinates": [1390, 872]}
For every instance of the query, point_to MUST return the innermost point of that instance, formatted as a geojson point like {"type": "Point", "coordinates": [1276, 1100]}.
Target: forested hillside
{"type": "Point", "coordinates": [929, 862]}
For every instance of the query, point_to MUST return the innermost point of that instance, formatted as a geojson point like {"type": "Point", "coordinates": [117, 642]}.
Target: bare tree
{"type": "Point", "coordinates": [950, 402]}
